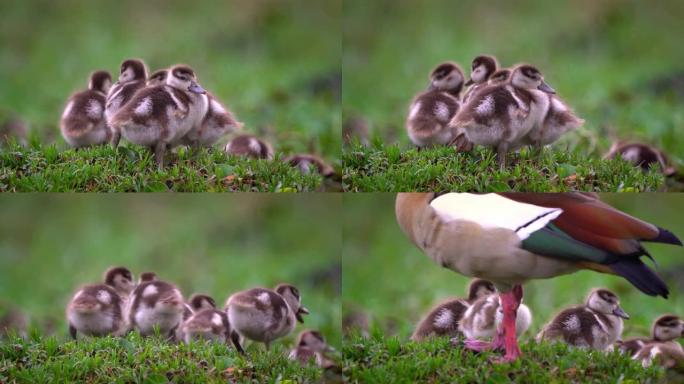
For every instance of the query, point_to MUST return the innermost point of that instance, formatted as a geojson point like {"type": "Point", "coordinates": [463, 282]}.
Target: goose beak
{"type": "Point", "coordinates": [469, 82]}
{"type": "Point", "coordinates": [620, 313]}
{"type": "Point", "coordinates": [195, 88]}
{"type": "Point", "coordinates": [546, 88]}
{"type": "Point", "coordinates": [431, 87]}
{"type": "Point", "coordinates": [301, 311]}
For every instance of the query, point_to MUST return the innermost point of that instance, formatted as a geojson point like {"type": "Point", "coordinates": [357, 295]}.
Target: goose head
{"type": "Point", "coordinates": [100, 81]}
{"type": "Point", "coordinates": [291, 295]}
{"type": "Point", "coordinates": [313, 340]}
{"type": "Point", "coordinates": [157, 78]}
{"type": "Point", "coordinates": [528, 77]}
{"type": "Point", "coordinates": [668, 327]}
{"type": "Point", "coordinates": [147, 276]}
{"type": "Point", "coordinates": [447, 77]}
{"type": "Point", "coordinates": [132, 70]}
{"type": "Point", "coordinates": [481, 69]}
{"type": "Point", "coordinates": [200, 301]}
{"type": "Point", "coordinates": [119, 278]}
{"type": "Point", "coordinates": [604, 301]}
{"type": "Point", "coordinates": [500, 76]}
{"type": "Point", "coordinates": [480, 288]}
{"type": "Point", "coordinates": [183, 77]}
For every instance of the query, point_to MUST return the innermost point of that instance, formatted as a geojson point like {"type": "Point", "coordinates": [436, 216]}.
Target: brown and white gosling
{"type": "Point", "coordinates": [209, 324]}
{"type": "Point", "coordinates": [482, 69]}
{"type": "Point", "coordinates": [198, 302]}
{"type": "Point", "coordinates": [156, 303]}
{"type": "Point", "coordinates": [132, 77]}
{"type": "Point", "coordinates": [263, 315]}
{"type": "Point", "coordinates": [665, 328]}
{"type": "Point", "coordinates": [249, 146]}
{"type": "Point", "coordinates": [642, 155]}
{"type": "Point", "coordinates": [595, 325]}
{"type": "Point", "coordinates": [97, 309]}
{"type": "Point", "coordinates": [307, 163]}
{"type": "Point", "coordinates": [443, 319]}
{"type": "Point", "coordinates": [159, 116]}
{"type": "Point", "coordinates": [483, 319]}
{"type": "Point", "coordinates": [83, 122]}
{"type": "Point", "coordinates": [502, 115]}
{"type": "Point", "coordinates": [431, 111]}
{"type": "Point", "coordinates": [311, 345]}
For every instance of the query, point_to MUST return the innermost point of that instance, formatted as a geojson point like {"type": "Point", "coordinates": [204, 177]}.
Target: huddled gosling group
{"type": "Point", "coordinates": [120, 305]}
{"type": "Point", "coordinates": [503, 108]}
{"type": "Point", "coordinates": [161, 111]}
{"type": "Point", "coordinates": [597, 324]}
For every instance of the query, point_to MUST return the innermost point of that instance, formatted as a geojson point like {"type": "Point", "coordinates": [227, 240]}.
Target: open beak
{"type": "Point", "coordinates": [620, 313]}
{"type": "Point", "coordinates": [546, 88]}
{"type": "Point", "coordinates": [195, 88]}
{"type": "Point", "coordinates": [301, 311]}
{"type": "Point", "coordinates": [469, 82]}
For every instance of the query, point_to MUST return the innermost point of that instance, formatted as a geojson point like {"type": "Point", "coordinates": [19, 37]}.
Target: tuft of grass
{"type": "Point", "coordinates": [133, 169]}
{"type": "Point", "coordinates": [389, 360]}
{"type": "Point", "coordinates": [387, 168]}
{"type": "Point", "coordinates": [150, 360]}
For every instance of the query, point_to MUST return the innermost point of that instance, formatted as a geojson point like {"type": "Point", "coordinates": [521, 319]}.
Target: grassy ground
{"type": "Point", "coordinates": [390, 282]}
{"type": "Point", "coordinates": [615, 62]}
{"type": "Point", "coordinates": [389, 168]}
{"type": "Point", "coordinates": [249, 54]}
{"type": "Point", "coordinates": [133, 169]}
{"type": "Point", "coordinates": [390, 360]}
{"type": "Point", "coordinates": [151, 360]}
{"type": "Point", "coordinates": [217, 244]}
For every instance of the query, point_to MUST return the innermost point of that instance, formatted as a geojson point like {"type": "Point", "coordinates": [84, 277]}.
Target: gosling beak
{"type": "Point", "coordinates": [469, 82]}
{"type": "Point", "coordinates": [546, 88]}
{"type": "Point", "coordinates": [301, 311]}
{"type": "Point", "coordinates": [431, 87]}
{"type": "Point", "coordinates": [195, 88]}
{"type": "Point", "coordinates": [620, 313]}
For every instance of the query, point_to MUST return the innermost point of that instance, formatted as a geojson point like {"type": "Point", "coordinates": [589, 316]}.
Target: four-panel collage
{"type": "Point", "coordinates": [388, 191]}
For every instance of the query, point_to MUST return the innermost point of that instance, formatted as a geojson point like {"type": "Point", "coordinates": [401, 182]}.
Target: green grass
{"type": "Point", "coordinates": [259, 58]}
{"type": "Point", "coordinates": [148, 360]}
{"type": "Point", "coordinates": [391, 360]}
{"type": "Point", "coordinates": [617, 64]}
{"type": "Point", "coordinates": [388, 168]}
{"type": "Point", "coordinates": [133, 169]}
{"type": "Point", "coordinates": [386, 278]}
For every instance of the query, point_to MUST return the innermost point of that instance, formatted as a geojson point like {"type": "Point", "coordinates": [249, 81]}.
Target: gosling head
{"type": "Point", "coordinates": [668, 327]}
{"type": "Point", "coordinates": [480, 288]}
{"type": "Point", "coordinates": [157, 78]}
{"type": "Point", "coordinates": [119, 278]}
{"type": "Point", "coordinates": [482, 68]}
{"type": "Point", "coordinates": [447, 77]}
{"type": "Point", "coordinates": [313, 340]}
{"type": "Point", "coordinates": [528, 77]}
{"type": "Point", "coordinates": [147, 276]}
{"type": "Point", "coordinates": [182, 77]}
{"type": "Point", "coordinates": [604, 301]}
{"type": "Point", "coordinates": [291, 295]}
{"type": "Point", "coordinates": [199, 301]}
{"type": "Point", "coordinates": [132, 70]}
{"type": "Point", "coordinates": [500, 76]}
{"type": "Point", "coordinates": [100, 81]}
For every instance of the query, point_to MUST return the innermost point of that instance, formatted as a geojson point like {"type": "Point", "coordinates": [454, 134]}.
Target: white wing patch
{"type": "Point", "coordinates": [144, 108]}
{"type": "Point", "coordinates": [415, 108]}
{"type": "Point", "coordinates": [68, 109]}
{"type": "Point", "coordinates": [150, 290]}
{"type": "Point", "coordinates": [572, 323]}
{"type": "Point", "coordinates": [264, 298]}
{"type": "Point", "coordinates": [444, 318]}
{"type": "Point", "coordinates": [486, 106]}
{"type": "Point", "coordinates": [104, 297]}
{"type": "Point", "coordinates": [441, 111]}
{"type": "Point", "coordinates": [631, 154]}
{"type": "Point", "coordinates": [217, 107]}
{"type": "Point", "coordinates": [216, 320]}
{"type": "Point", "coordinates": [254, 145]}
{"type": "Point", "coordinates": [94, 109]}
{"type": "Point", "coordinates": [494, 211]}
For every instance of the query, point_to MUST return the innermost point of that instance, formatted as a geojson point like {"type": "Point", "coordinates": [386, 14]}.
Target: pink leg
{"type": "Point", "coordinates": [510, 302]}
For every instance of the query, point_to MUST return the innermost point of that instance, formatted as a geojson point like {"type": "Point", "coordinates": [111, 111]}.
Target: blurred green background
{"type": "Point", "coordinates": [619, 63]}
{"type": "Point", "coordinates": [50, 244]}
{"type": "Point", "coordinates": [389, 281]}
{"type": "Point", "coordinates": [275, 63]}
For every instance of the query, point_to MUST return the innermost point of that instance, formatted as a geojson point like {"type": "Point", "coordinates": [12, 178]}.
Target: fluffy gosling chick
{"type": "Point", "coordinates": [596, 325]}
{"type": "Point", "coordinates": [482, 69]}
{"type": "Point", "coordinates": [249, 146]}
{"type": "Point", "coordinates": [668, 354]}
{"type": "Point", "coordinates": [161, 115]}
{"type": "Point", "coordinates": [307, 163]}
{"type": "Point", "coordinates": [502, 115]}
{"type": "Point", "coordinates": [665, 328]}
{"type": "Point", "coordinates": [431, 111]}
{"type": "Point", "coordinates": [83, 122]}
{"type": "Point", "coordinates": [310, 346]}
{"type": "Point", "coordinates": [443, 319]}
{"type": "Point", "coordinates": [156, 303]}
{"type": "Point", "coordinates": [483, 319]}
{"type": "Point", "coordinates": [97, 309]}
{"type": "Point", "coordinates": [132, 77]}
{"type": "Point", "coordinates": [263, 315]}
{"type": "Point", "coordinates": [642, 155]}
{"type": "Point", "coordinates": [212, 325]}
{"type": "Point", "coordinates": [500, 76]}
{"type": "Point", "coordinates": [197, 303]}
